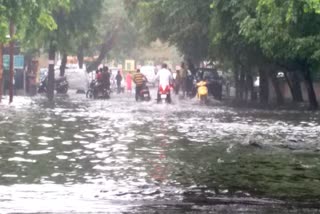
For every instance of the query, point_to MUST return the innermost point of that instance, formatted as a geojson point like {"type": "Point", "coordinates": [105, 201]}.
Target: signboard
{"type": "Point", "coordinates": [6, 62]}
{"type": "Point", "coordinates": [18, 62]}
{"type": "Point", "coordinates": [129, 65]}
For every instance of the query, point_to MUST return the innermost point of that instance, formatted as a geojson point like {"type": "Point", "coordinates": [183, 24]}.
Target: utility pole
{"type": "Point", "coordinates": [1, 69]}
{"type": "Point", "coordinates": [11, 52]}
{"type": "Point", "coordinates": [52, 56]}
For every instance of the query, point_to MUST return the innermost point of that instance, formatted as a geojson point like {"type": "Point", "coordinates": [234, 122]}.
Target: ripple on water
{"type": "Point", "coordinates": [44, 138]}
{"type": "Point", "coordinates": [38, 152]}
{"type": "Point", "coordinates": [47, 125]}
{"type": "Point", "coordinates": [61, 157]}
{"type": "Point", "coordinates": [9, 176]}
{"type": "Point", "coordinates": [19, 159]}
{"type": "Point", "coordinates": [67, 142]}
{"type": "Point", "coordinates": [22, 142]}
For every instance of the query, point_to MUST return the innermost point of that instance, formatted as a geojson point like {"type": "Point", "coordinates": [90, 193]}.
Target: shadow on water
{"type": "Point", "coordinates": [76, 155]}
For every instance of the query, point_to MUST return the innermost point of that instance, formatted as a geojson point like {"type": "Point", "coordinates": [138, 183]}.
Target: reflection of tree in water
{"type": "Point", "coordinates": [159, 167]}
{"type": "Point", "coordinates": [159, 171]}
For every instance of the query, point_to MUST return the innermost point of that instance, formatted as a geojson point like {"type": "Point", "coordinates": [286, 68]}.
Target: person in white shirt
{"type": "Point", "coordinates": [164, 76]}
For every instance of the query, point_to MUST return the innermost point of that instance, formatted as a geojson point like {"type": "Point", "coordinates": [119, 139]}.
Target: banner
{"type": "Point", "coordinates": [18, 62]}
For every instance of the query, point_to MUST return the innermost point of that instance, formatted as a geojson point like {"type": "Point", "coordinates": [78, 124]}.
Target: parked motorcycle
{"type": "Point", "coordinates": [164, 94]}
{"type": "Point", "coordinates": [61, 85]}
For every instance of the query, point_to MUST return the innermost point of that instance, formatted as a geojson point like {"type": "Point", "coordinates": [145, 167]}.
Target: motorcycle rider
{"type": "Point", "coordinates": [139, 80]}
{"type": "Point", "coordinates": [165, 78]}
{"type": "Point", "coordinates": [106, 78]}
{"type": "Point", "coordinates": [98, 76]}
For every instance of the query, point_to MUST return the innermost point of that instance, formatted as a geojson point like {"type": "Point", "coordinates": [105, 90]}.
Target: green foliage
{"type": "Point", "coordinates": [28, 15]}
{"type": "Point", "coordinates": [183, 23]}
{"type": "Point", "coordinates": [285, 30]}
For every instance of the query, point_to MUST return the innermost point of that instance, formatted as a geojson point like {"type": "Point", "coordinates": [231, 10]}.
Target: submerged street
{"type": "Point", "coordinates": [79, 155]}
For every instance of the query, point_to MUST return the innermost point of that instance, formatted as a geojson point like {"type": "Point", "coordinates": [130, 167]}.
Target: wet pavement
{"type": "Point", "coordinates": [119, 156]}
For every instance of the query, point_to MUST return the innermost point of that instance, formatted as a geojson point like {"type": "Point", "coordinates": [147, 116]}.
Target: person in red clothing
{"type": "Point", "coordinates": [98, 76]}
{"type": "Point", "coordinates": [129, 82]}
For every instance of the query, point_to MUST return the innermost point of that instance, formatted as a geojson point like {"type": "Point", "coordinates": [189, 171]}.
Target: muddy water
{"type": "Point", "coordinates": [118, 156]}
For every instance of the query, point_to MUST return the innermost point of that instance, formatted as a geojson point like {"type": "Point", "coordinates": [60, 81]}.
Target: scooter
{"type": "Point", "coordinates": [202, 92]}
{"type": "Point", "coordinates": [164, 94]}
{"type": "Point", "coordinates": [144, 94]}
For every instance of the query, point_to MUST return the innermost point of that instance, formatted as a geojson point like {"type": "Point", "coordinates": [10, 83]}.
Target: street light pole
{"type": "Point", "coordinates": [1, 69]}
{"type": "Point", "coordinates": [11, 52]}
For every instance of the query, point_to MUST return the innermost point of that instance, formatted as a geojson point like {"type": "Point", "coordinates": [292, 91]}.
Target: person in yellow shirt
{"type": "Point", "coordinates": [139, 79]}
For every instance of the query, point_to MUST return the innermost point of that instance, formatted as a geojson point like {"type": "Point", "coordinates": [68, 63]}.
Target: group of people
{"type": "Point", "coordinates": [182, 81]}
{"type": "Point", "coordinates": [103, 78]}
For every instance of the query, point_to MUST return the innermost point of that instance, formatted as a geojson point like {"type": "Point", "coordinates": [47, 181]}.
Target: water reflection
{"type": "Point", "coordinates": [109, 154]}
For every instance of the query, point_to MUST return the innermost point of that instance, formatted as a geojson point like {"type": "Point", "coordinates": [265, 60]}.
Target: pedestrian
{"type": "Point", "coordinates": [183, 74]}
{"type": "Point", "coordinates": [119, 79]}
{"type": "Point", "coordinates": [129, 82]}
{"type": "Point", "coordinates": [106, 78]}
{"type": "Point", "coordinates": [177, 82]}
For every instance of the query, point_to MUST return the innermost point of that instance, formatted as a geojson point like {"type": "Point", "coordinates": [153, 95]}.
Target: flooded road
{"type": "Point", "coordinates": [119, 156]}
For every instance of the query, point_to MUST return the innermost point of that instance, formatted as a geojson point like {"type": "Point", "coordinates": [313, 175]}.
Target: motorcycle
{"type": "Point", "coordinates": [97, 91]}
{"type": "Point", "coordinates": [164, 94]}
{"type": "Point", "coordinates": [61, 85]}
{"type": "Point", "coordinates": [202, 92]}
{"type": "Point", "coordinates": [144, 94]}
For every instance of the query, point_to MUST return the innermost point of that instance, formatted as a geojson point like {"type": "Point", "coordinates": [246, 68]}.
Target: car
{"type": "Point", "coordinates": [214, 81]}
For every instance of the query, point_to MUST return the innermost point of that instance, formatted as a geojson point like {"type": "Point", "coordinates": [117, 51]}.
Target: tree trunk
{"type": "Point", "coordinates": [51, 79]}
{"type": "Point", "coordinates": [297, 87]}
{"type": "Point", "coordinates": [237, 83]}
{"type": "Point", "coordinates": [294, 86]}
{"type": "Point", "coordinates": [80, 57]}
{"type": "Point", "coordinates": [311, 93]}
{"type": "Point", "coordinates": [11, 52]}
{"type": "Point", "coordinates": [105, 48]}
{"type": "Point", "coordinates": [1, 70]}
{"type": "Point", "coordinates": [290, 84]}
{"type": "Point", "coordinates": [250, 86]}
{"type": "Point", "coordinates": [242, 84]}
{"type": "Point", "coordinates": [264, 86]}
{"type": "Point", "coordinates": [63, 64]}
{"type": "Point", "coordinates": [276, 86]}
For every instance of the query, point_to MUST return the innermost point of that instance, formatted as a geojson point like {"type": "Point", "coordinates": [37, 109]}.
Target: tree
{"type": "Point", "coordinates": [183, 23]}
{"type": "Point", "coordinates": [288, 32]}
{"type": "Point", "coordinates": [3, 33]}
{"type": "Point", "coordinates": [17, 15]}
{"type": "Point", "coordinates": [76, 26]}
{"type": "Point", "coordinates": [116, 34]}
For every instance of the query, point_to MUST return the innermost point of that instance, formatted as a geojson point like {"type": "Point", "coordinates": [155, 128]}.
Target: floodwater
{"type": "Point", "coordinates": [119, 156]}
